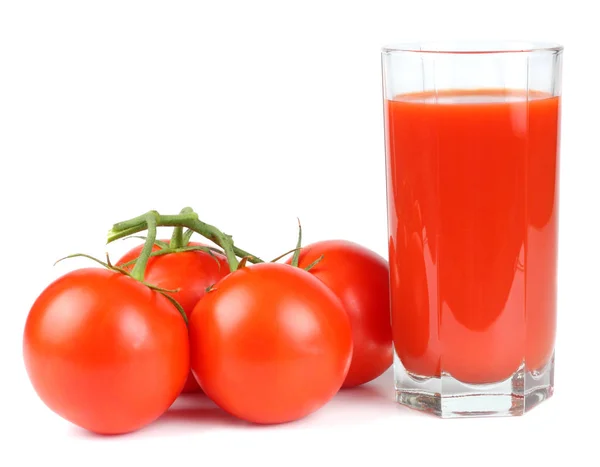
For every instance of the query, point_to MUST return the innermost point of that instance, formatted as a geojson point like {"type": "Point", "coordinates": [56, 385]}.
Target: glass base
{"type": "Point", "coordinates": [447, 397]}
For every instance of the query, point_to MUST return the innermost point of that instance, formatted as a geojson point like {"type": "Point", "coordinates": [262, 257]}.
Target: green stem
{"type": "Point", "coordinates": [296, 256]}
{"type": "Point", "coordinates": [138, 224]}
{"type": "Point", "coordinates": [139, 269]}
{"type": "Point", "coordinates": [177, 237]}
{"type": "Point", "coordinates": [281, 256]}
{"type": "Point", "coordinates": [314, 263]}
{"type": "Point", "coordinates": [187, 236]}
{"type": "Point", "coordinates": [190, 221]}
{"type": "Point", "coordinates": [215, 235]}
{"type": "Point", "coordinates": [121, 226]}
{"type": "Point", "coordinates": [168, 251]}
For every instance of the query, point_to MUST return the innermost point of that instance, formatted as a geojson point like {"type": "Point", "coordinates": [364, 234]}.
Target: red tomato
{"type": "Point", "coordinates": [270, 343]}
{"type": "Point", "coordinates": [360, 278]}
{"type": "Point", "coordinates": [104, 351]}
{"type": "Point", "coordinates": [191, 272]}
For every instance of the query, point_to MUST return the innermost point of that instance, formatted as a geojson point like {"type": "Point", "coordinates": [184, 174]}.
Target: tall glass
{"type": "Point", "coordinates": [472, 134]}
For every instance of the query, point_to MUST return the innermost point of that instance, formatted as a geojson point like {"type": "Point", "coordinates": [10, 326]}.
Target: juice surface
{"type": "Point", "coordinates": [472, 199]}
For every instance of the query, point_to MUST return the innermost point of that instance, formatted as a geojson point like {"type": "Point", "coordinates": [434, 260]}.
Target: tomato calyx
{"type": "Point", "coordinates": [119, 269]}
{"type": "Point", "coordinates": [298, 249]}
{"type": "Point", "coordinates": [243, 262]}
{"type": "Point", "coordinates": [296, 256]}
{"type": "Point", "coordinates": [282, 255]}
{"type": "Point", "coordinates": [177, 240]}
{"type": "Point", "coordinates": [138, 271]}
{"type": "Point", "coordinates": [166, 249]}
{"type": "Point", "coordinates": [189, 219]}
{"type": "Point", "coordinates": [180, 242]}
{"type": "Point", "coordinates": [314, 263]}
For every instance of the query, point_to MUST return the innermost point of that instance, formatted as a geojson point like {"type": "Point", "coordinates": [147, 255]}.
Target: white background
{"type": "Point", "coordinates": [254, 113]}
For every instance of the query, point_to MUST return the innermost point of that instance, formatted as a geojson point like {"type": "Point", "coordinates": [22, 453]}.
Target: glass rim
{"type": "Point", "coordinates": [472, 47]}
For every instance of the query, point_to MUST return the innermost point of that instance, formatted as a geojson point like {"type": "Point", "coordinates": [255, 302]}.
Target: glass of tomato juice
{"type": "Point", "coordinates": [472, 150]}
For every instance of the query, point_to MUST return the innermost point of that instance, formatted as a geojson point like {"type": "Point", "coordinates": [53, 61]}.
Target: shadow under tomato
{"type": "Point", "coordinates": [189, 412]}
{"type": "Point", "coordinates": [198, 410]}
{"type": "Point", "coordinates": [195, 412]}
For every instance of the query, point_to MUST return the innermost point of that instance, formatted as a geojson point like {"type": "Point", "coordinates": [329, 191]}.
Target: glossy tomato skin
{"type": "Point", "coordinates": [191, 272]}
{"type": "Point", "coordinates": [360, 278]}
{"type": "Point", "coordinates": [270, 343]}
{"type": "Point", "coordinates": [104, 351]}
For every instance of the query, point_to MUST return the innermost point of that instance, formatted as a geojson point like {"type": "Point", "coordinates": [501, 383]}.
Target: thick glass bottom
{"type": "Point", "coordinates": [447, 397]}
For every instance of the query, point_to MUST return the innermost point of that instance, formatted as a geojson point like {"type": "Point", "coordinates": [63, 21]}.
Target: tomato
{"type": "Point", "coordinates": [270, 343]}
{"type": "Point", "coordinates": [191, 272]}
{"type": "Point", "coordinates": [360, 278]}
{"type": "Point", "coordinates": [104, 351]}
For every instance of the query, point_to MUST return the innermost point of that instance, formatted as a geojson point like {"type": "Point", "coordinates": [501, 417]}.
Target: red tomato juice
{"type": "Point", "coordinates": [472, 200]}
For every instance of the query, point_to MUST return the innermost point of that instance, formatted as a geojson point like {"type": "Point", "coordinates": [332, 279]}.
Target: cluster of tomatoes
{"type": "Point", "coordinates": [111, 348]}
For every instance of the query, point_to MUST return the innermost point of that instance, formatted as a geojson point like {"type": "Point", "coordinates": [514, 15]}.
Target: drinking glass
{"type": "Point", "coordinates": [472, 150]}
